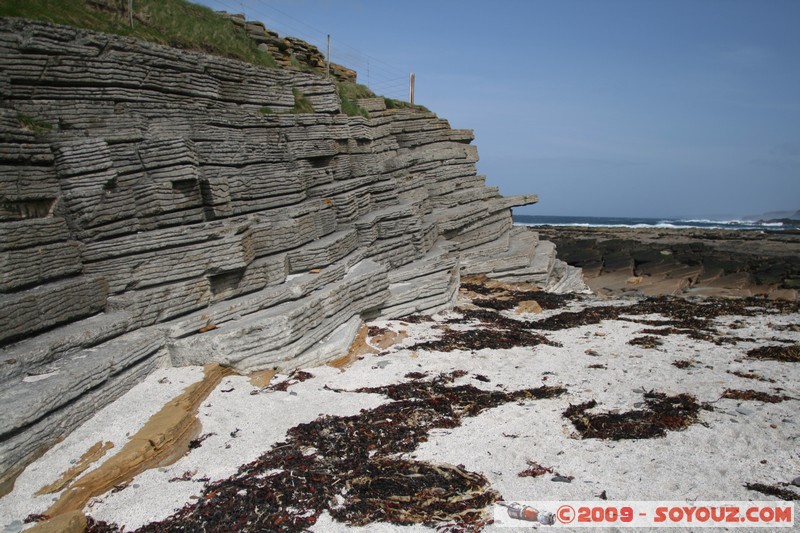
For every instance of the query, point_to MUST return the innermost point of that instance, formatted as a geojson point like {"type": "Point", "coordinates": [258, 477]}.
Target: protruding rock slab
{"type": "Point", "coordinates": [427, 285]}
{"type": "Point", "coordinates": [50, 401]}
{"type": "Point", "coordinates": [279, 336]}
{"type": "Point", "coordinates": [45, 306]}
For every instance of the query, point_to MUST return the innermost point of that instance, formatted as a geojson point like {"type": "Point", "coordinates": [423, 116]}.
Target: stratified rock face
{"type": "Point", "coordinates": [160, 206]}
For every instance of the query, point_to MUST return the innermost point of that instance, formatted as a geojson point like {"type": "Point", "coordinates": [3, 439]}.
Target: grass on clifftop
{"type": "Point", "coordinates": [179, 24]}
{"type": "Point", "coordinates": [391, 103]}
{"type": "Point", "coordinates": [174, 23]}
{"type": "Point", "coordinates": [350, 92]}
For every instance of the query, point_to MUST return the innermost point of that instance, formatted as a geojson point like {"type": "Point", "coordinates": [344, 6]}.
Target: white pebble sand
{"type": "Point", "coordinates": [736, 443]}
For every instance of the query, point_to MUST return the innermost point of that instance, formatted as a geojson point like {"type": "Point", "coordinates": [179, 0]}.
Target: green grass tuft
{"type": "Point", "coordinates": [38, 127]}
{"type": "Point", "coordinates": [349, 92]}
{"type": "Point", "coordinates": [301, 103]}
{"type": "Point", "coordinates": [175, 23]}
{"type": "Point", "coordinates": [391, 103]}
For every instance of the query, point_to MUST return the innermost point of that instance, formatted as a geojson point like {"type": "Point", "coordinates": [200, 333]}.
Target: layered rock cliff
{"type": "Point", "coordinates": [164, 207]}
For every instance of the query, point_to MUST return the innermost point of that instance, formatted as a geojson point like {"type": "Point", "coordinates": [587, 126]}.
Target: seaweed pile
{"type": "Point", "coordinates": [352, 467]}
{"type": "Point", "coordinates": [788, 354]}
{"type": "Point", "coordinates": [535, 470]}
{"type": "Point", "coordinates": [694, 319]}
{"type": "Point", "coordinates": [750, 375]}
{"type": "Point", "coordinates": [646, 341]}
{"type": "Point", "coordinates": [495, 332]}
{"type": "Point", "coordinates": [774, 490]}
{"type": "Point", "coordinates": [294, 378]}
{"type": "Point", "coordinates": [663, 413]}
{"type": "Point", "coordinates": [502, 297]}
{"type": "Point", "coordinates": [735, 394]}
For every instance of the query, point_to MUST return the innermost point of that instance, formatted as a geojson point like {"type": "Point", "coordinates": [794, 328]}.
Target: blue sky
{"type": "Point", "coordinates": [686, 108]}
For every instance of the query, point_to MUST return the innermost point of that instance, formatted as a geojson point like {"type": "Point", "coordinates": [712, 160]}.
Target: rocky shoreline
{"type": "Point", "coordinates": [691, 261]}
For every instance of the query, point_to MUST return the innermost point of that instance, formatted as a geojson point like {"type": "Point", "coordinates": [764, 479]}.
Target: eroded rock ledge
{"type": "Point", "coordinates": [163, 207]}
{"type": "Point", "coordinates": [704, 262]}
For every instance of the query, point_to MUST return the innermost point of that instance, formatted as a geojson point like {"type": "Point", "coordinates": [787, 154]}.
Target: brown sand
{"type": "Point", "coordinates": [163, 440]}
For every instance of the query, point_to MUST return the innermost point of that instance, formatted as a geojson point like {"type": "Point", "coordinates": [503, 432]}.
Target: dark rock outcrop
{"type": "Point", "coordinates": [692, 261]}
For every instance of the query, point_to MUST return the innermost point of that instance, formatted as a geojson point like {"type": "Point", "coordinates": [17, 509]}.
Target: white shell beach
{"type": "Point", "coordinates": [734, 442]}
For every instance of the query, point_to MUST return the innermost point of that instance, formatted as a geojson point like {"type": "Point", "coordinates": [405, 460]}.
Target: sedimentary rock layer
{"type": "Point", "coordinates": [162, 206]}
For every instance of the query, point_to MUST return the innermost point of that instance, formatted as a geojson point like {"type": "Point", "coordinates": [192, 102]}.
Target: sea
{"type": "Point", "coordinates": [626, 222]}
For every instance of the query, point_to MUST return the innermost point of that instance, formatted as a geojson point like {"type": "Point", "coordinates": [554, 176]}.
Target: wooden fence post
{"type": "Point", "coordinates": [328, 67]}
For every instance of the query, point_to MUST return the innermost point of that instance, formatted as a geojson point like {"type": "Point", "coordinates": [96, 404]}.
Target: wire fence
{"type": "Point", "coordinates": [381, 77]}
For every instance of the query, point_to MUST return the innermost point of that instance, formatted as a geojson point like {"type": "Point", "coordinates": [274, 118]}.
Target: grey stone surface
{"type": "Point", "coordinates": [30, 266]}
{"type": "Point", "coordinates": [39, 350]}
{"type": "Point", "coordinates": [276, 335]}
{"type": "Point", "coordinates": [28, 312]}
{"type": "Point", "coordinates": [537, 271]}
{"type": "Point", "coordinates": [322, 252]}
{"type": "Point", "coordinates": [136, 262]}
{"type": "Point", "coordinates": [17, 448]}
{"type": "Point", "coordinates": [427, 285]}
{"type": "Point", "coordinates": [32, 232]}
{"type": "Point", "coordinates": [29, 398]}
{"type": "Point", "coordinates": [492, 234]}
{"type": "Point", "coordinates": [173, 209]}
{"type": "Point", "coordinates": [570, 280]}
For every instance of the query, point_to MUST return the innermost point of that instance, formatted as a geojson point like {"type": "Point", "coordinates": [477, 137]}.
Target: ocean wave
{"type": "Point", "coordinates": [598, 225]}
{"type": "Point", "coordinates": [713, 221]}
{"type": "Point", "coordinates": [652, 223]}
{"type": "Point", "coordinates": [732, 222]}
